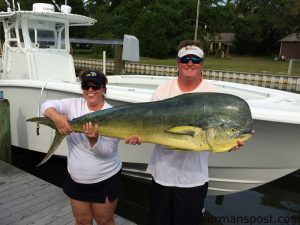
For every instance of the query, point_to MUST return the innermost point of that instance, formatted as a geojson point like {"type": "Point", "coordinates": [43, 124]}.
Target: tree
{"type": "Point", "coordinates": [163, 24]}
{"type": "Point", "coordinates": [262, 23]}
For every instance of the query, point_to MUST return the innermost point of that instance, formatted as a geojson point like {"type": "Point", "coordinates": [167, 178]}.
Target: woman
{"type": "Point", "coordinates": [93, 182]}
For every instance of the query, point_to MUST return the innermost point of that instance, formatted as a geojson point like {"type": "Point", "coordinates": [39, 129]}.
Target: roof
{"type": "Point", "coordinates": [73, 19]}
{"type": "Point", "coordinates": [96, 41]}
{"type": "Point", "coordinates": [222, 37]}
{"type": "Point", "coordinates": [293, 37]}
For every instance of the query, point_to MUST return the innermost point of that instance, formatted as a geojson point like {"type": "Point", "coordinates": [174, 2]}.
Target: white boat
{"type": "Point", "coordinates": [37, 65]}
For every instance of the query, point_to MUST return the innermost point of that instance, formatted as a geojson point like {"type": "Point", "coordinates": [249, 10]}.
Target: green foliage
{"type": "Point", "coordinates": [160, 25]}
{"type": "Point", "coordinates": [98, 49]}
{"type": "Point", "coordinates": [261, 24]}
{"type": "Point", "coordinates": [154, 18]}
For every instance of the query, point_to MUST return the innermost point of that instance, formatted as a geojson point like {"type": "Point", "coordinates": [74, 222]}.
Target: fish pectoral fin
{"type": "Point", "coordinates": [184, 130]}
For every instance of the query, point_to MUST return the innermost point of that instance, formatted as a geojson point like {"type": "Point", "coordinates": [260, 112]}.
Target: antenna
{"type": "Point", "coordinates": [14, 7]}
{"type": "Point", "coordinates": [56, 5]}
{"type": "Point", "coordinates": [8, 6]}
{"type": "Point", "coordinates": [18, 4]}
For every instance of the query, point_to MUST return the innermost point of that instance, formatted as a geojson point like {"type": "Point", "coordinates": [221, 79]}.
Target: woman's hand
{"type": "Point", "coordinates": [62, 124]}
{"type": "Point", "coordinates": [133, 140]}
{"type": "Point", "coordinates": [61, 121]}
{"type": "Point", "coordinates": [91, 132]}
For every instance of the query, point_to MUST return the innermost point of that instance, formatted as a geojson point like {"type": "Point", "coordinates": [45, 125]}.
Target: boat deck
{"type": "Point", "coordinates": [26, 199]}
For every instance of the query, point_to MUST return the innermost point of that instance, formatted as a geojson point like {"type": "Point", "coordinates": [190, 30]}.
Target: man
{"type": "Point", "coordinates": [180, 178]}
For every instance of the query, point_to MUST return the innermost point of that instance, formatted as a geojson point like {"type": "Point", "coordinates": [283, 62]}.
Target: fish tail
{"type": "Point", "coordinates": [57, 139]}
{"type": "Point", "coordinates": [56, 142]}
{"type": "Point", "coordinates": [43, 120]}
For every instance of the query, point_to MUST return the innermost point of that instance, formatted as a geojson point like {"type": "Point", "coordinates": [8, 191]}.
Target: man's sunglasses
{"type": "Point", "coordinates": [186, 59]}
{"type": "Point", "coordinates": [87, 87]}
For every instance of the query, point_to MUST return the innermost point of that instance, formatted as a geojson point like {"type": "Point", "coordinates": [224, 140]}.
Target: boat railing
{"type": "Point", "coordinates": [282, 82]}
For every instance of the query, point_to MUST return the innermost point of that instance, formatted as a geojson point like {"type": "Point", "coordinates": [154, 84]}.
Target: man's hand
{"type": "Point", "coordinates": [240, 143]}
{"type": "Point", "coordinates": [133, 140]}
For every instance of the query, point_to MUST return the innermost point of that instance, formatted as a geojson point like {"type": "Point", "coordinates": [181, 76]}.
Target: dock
{"type": "Point", "coordinates": [26, 199]}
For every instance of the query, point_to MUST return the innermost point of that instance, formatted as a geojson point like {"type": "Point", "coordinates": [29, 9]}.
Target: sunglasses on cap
{"type": "Point", "coordinates": [90, 74]}
{"type": "Point", "coordinates": [88, 86]}
{"type": "Point", "coordinates": [186, 59]}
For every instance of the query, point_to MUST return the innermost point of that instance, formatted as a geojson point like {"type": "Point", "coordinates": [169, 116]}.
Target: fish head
{"type": "Point", "coordinates": [222, 138]}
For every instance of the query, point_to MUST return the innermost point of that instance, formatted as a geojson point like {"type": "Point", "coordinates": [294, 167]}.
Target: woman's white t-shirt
{"type": "Point", "coordinates": [87, 164]}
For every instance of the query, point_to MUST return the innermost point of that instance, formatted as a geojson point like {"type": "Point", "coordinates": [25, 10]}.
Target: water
{"type": "Point", "coordinates": [268, 204]}
{"type": "Point", "coordinates": [277, 202]}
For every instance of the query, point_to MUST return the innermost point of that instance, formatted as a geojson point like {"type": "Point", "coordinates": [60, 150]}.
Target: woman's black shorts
{"type": "Point", "coordinates": [97, 192]}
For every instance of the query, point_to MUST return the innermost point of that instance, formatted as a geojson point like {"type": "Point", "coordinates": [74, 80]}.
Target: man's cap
{"type": "Point", "coordinates": [93, 76]}
{"type": "Point", "coordinates": [190, 50]}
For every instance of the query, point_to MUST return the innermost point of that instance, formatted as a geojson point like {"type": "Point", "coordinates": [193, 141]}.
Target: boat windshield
{"type": "Point", "coordinates": [42, 38]}
{"type": "Point", "coordinates": [45, 35]}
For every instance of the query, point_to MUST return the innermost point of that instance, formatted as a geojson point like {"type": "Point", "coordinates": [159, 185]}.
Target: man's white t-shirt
{"type": "Point", "coordinates": [174, 167]}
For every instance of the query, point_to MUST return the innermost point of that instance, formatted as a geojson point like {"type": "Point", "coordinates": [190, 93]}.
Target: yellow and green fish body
{"type": "Point", "coordinates": [194, 122]}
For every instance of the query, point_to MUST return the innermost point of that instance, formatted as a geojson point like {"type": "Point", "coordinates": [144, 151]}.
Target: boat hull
{"type": "Point", "coordinates": [272, 152]}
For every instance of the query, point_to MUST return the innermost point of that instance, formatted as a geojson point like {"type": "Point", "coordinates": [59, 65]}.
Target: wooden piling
{"type": "Point", "coordinates": [5, 137]}
{"type": "Point", "coordinates": [119, 63]}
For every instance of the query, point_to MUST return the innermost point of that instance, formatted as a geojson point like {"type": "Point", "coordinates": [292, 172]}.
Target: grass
{"type": "Point", "coordinates": [251, 64]}
{"type": "Point", "coordinates": [234, 63]}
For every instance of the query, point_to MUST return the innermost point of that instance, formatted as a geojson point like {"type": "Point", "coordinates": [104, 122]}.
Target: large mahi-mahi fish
{"type": "Point", "coordinates": [194, 121]}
